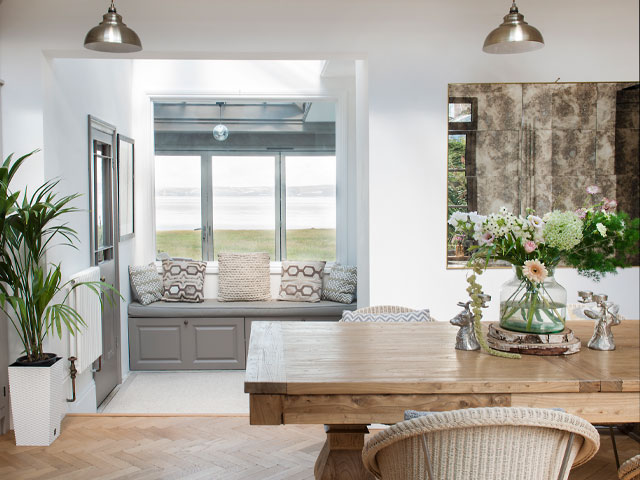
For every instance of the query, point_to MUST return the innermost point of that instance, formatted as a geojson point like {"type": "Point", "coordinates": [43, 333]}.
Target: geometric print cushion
{"type": "Point", "coordinates": [417, 316]}
{"type": "Point", "coordinates": [301, 281]}
{"type": "Point", "coordinates": [146, 283]}
{"type": "Point", "coordinates": [183, 280]}
{"type": "Point", "coordinates": [341, 285]}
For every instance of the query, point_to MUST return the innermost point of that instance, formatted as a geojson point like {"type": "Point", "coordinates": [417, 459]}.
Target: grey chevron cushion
{"type": "Point", "coordinates": [146, 283]}
{"type": "Point", "coordinates": [183, 280]}
{"type": "Point", "coordinates": [417, 316]}
{"type": "Point", "coordinates": [341, 285]}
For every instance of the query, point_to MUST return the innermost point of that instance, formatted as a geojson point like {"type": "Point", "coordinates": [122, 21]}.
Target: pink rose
{"type": "Point", "coordinates": [609, 204]}
{"type": "Point", "coordinates": [530, 246]}
{"type": "Point", "coordinates": [582, 213]}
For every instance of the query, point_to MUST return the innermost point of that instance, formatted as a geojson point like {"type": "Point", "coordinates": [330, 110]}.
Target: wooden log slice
{"type": "Point", "coordinates": [509, 336]}
{"type": "Point", "coordinates": [565, 348]}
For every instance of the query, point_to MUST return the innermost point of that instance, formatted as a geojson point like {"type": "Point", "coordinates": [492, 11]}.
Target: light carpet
{"type": "Point", "coordinates": [193, 392]}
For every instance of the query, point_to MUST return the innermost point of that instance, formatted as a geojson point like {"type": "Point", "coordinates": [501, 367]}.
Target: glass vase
{"type": "Point", "coordinates": [531, 307]}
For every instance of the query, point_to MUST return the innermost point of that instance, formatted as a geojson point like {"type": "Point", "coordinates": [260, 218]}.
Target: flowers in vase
{"type": "Point", "coordinates": [594, 239]}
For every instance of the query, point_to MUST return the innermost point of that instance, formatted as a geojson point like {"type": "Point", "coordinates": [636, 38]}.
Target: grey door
{"type": "Point", "coordinates": [4, 340]}
{"type": "Point", "coordinates": [104, 247]}
{"type": "Point", "coordinates": [4, 375]}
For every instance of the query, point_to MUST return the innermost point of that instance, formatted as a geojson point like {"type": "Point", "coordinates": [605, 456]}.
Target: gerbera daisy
{"type": "Point", "coordinates": [535, 271]}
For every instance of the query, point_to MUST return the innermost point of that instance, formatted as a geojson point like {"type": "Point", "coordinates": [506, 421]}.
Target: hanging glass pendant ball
{"type": "Point", "coordinates": [220, 132]}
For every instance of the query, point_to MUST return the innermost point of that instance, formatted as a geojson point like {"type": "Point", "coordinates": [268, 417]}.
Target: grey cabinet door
{"type": "Point", "coordinates": [216, 343]}
{"type": "Point", "coordinates": [186, 343]}
{"type": "Point", "coordinates": [157, 344]}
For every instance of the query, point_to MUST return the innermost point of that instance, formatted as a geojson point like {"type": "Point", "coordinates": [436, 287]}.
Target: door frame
{"type": "Point", "coordinates": [109, 130]}
{"type": "Point", "coordinates": [4, 336]}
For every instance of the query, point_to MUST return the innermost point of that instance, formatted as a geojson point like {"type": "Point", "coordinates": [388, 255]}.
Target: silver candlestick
{"type": "Point", "coordinates": [605, 314]}
{"type": "Point", "coordinates": [466, 336]}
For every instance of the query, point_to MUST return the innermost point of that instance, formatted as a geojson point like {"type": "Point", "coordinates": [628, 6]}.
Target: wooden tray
{"type": "Point", "coordinates": [560, 343]}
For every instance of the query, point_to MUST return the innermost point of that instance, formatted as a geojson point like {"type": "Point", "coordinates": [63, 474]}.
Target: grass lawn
{"type": "Point", "coordinates": [307, 244]}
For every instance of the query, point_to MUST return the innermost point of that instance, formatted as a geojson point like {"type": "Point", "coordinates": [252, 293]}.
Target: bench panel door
{"type": "Point", "coordinates": [216, 343]}
{"type": "Point", "coordinates": [157, 344]}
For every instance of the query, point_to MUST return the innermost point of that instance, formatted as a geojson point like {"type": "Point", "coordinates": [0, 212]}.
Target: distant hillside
{"type": "Point", "coordinates": [307, 191]}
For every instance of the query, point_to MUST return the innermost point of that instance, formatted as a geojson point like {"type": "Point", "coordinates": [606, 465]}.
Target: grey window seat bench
{"type": "Point", "coordinates": [211, 334]}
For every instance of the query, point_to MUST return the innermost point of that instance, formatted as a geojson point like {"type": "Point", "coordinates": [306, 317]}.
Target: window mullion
{"type": "Point", "coordinates": [280, 199]}
{"type": "Point", "coordinates": [207, 207]}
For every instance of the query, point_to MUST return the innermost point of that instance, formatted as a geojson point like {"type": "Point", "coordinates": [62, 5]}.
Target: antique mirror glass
{"type": "Point", "coordinates": [539, 145]}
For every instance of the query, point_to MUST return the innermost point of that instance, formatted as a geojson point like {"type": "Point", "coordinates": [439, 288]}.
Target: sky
{"type": "Point", "coordinates": [244, 171]}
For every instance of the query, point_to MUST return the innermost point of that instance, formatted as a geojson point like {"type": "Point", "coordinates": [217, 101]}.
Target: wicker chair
{"type": "Point", "coordinates": [483, 444]}
{"type": "Point", "coordinates": [630, 470]}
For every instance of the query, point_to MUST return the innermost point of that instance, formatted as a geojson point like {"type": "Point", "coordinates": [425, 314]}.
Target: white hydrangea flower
{"type": "Point", "coordinates": [456, 218]}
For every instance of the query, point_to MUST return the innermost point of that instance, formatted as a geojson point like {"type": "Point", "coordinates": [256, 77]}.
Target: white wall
{"type": "Point", "coordinates": [413, 50]}
{"type": "Point", "coordinates": [189, 79]}
{"type": "Point", "coordinates": [73, 89]}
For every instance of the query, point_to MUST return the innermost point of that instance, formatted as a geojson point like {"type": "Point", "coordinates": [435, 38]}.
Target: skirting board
{"type": "Point", "coordinates": [85, 399]}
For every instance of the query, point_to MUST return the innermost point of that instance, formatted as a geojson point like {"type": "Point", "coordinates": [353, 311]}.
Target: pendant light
{"type": "Point", "coordinates": [220, 131]}
{"type": "Point", "coordinates": [112, 35]}
{"type": "Point", "coordinates": [514, 35]}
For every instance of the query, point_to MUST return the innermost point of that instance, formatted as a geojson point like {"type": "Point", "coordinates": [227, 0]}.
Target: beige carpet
{"type": "Point", "coordinates": [199, 392]}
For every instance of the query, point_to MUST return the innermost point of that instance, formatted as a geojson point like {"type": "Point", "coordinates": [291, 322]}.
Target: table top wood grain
{"type": "Point", "coordinates": [327, 358]}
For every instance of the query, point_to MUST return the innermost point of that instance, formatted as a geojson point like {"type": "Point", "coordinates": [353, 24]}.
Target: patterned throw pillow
{"type": "Point", "coordinates": [417, 316]}
{"type": "Point", "coordinates": [146, 283]}
{"type": "Point", "coordinates": [342, 284]}
{"type": "Point", "coordinates": [243, 277]}
{"type": "Point", "coordinates": [183, 280]}
{"type": "Point", "coordinates": [301, 281]}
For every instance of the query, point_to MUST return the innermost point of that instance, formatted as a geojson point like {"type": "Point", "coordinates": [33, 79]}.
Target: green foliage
{"type": "Point", "coordinates": [600, 254]}
{"type": "Point", "coordinates": [302, 244]}
{"type": "Point", "coordinates": [32, 293]}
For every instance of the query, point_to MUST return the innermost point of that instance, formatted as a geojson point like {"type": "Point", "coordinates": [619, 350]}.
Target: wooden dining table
{"type": "Point", "coordinates": [347, 376]}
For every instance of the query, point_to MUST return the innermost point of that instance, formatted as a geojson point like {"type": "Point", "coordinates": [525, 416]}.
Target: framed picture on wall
{"type": "Point", "coordinates": [126, 154]}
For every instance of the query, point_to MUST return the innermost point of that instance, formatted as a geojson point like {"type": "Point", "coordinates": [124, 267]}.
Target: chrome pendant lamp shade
{"type": "Point", "coordinates": [514, 35]}
{"type": "Point", "coordinates": [220, 131]}
{"type": "Point", "coordinates": [112, 35]}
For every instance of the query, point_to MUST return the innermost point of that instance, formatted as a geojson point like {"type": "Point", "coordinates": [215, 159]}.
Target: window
{"type": "Point", "coordinates": [178, 206]}
{"type": "Point", "coordinates": [270, 186]}
{"type": "Point", "coordinates": [282, 204]}
{"type": "Point", "coordinates": [310, 207]}
{"type": "Point", "coordinates": [461, 168]}
{"type": "Point", "coordinates": [244, 213]}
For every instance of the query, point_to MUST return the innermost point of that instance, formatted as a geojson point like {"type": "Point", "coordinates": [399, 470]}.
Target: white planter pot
{"type": "Point", "coordinates": [37, 403]}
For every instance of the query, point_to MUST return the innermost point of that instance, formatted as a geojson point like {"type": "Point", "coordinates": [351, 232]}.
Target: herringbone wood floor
{"type": "Point", "coordinates": [225, 448]}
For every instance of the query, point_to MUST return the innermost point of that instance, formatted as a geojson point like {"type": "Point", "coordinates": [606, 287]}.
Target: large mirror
{"type": "Point", "coordinates": [539, 145]}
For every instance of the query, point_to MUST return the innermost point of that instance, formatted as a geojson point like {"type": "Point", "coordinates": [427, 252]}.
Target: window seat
{"type": "Point", "coordinates": [215, 308]}
{"type": "Point", "coordinates": [209, 335]}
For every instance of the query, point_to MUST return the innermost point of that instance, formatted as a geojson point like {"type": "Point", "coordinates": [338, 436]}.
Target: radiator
{"type": "Point", "coordinates": [86, 344]}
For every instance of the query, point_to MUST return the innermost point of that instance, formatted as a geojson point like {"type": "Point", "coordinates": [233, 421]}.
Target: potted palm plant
{"type": "Point", "coordinates": [34, 296]}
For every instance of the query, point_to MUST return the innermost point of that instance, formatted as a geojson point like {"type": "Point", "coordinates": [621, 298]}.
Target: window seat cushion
{"type": "Point", "coordinates": [215, 308]}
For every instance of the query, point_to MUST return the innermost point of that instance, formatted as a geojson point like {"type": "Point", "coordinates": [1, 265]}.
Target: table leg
{"type": "Point", "coordinates": [341, 455]}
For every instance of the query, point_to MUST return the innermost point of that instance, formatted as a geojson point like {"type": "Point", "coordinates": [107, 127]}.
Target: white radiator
{"type": "Point", "coordinates": [86, 344]}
